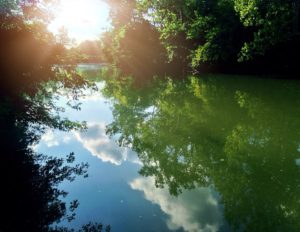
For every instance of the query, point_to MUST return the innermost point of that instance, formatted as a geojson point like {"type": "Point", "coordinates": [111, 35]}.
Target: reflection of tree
{"type": "Point", "coordinates": [262, 154]}
{"type": "Point", "coordinates": [30, 197]}
{"type": "Point", "coordinates": [240, 137]}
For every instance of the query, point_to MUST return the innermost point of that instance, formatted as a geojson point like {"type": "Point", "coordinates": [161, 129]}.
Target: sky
{"type": "Point", "coordinates": [83, 19]}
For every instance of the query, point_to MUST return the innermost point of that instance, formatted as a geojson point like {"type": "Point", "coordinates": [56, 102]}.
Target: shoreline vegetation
{"type": "Point", "coordinates": [176, 38]}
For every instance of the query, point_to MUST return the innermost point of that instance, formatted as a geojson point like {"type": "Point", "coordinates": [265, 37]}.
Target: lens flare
{"type": "Point", "coordinates": [83, 19]}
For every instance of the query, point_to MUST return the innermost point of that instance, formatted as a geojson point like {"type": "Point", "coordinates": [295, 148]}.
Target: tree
{"type": "Point", "coordinates": [269, 23]}
{"type": "Point", "coordinates": [133, 45]}
{"type": "Point", "coordinates": [198, 36]}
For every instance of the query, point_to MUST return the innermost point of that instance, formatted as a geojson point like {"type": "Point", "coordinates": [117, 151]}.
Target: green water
{"type": "Point", "coordinates": [239, 136]}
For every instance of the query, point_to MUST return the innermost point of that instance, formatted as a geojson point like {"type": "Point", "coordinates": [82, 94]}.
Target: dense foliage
{"type": "Point", "coordinates": [201, 35]}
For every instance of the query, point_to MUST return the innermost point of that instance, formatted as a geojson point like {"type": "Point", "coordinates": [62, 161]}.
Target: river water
{"type": "Point", "coordinates": [211, 153]}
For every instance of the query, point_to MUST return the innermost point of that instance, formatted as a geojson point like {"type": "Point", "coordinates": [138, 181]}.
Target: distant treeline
{"type": "Point", "coordinates": [89, 51]}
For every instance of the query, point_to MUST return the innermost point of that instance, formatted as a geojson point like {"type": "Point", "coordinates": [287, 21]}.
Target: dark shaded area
{"type": "Point", "coordinates": [279, 62]}
{"type": "Point", "coordinates": [30, 197]}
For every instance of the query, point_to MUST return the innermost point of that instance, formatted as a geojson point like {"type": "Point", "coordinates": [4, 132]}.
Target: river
{"type": "Point", "coordinates": [210, 153]}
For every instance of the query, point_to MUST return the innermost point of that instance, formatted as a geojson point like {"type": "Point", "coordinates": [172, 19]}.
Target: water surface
{"type": "Point", "coordinates": [211, 153]}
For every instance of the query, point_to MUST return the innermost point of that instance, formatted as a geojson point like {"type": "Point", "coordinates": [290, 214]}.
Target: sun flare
{"type": "Point", "coordinates": [83, 19]}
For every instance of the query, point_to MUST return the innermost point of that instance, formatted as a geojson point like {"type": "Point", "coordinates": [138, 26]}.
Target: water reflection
{"type": "Point", "coordinates": [30, 197]}
{"type": "Point", "coordinates": [196, 210]}
{"type": "Point", "coordinates": [106, 195]}
{"type": "Point", "coordinates": [214, 154]}
{"type": "Point", "coordinates": [100, 145]}
{"type": "Point", "coordinates": [240, 137]}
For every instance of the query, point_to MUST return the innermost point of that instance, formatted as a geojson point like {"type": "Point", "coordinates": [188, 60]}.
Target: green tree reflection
{"type": "Point", "coordinates": [240, 137]}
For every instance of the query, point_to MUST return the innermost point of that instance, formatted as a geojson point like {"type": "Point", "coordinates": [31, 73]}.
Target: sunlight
{"type": "Point", "coordinates": [83, 19]}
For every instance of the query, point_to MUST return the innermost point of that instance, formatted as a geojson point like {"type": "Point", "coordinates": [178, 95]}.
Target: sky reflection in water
{"type": "Point", "coordinates": [238, 135]}
{"type": "Point", "coordinates": [115, 193]}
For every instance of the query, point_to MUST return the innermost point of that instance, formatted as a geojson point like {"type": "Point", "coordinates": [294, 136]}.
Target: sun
{"type": "Point", "coordinates": [83, 19]}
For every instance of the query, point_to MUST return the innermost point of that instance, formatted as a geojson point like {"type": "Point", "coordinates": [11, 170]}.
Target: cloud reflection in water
{"type": "Point", "coordinates": [100, 145]}
{"type": "Point", "coordinates": [182, 211]}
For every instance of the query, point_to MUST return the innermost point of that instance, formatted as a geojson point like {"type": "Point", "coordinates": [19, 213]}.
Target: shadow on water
{"type": "Point", "coordinates": [31, 199]}
{"type": "Point", "coordinates": [239, 137]}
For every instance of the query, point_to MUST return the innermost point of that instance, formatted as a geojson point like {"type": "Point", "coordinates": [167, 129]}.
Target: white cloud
{"type": "Point", "coordinates": [66, 138]}
{"type": "Point", "coordinates": [195, 210]}
{"type": "Point", "coordinates": [50, 139]}
{"type": "Point", "coordinates": [53, 138]}
{"type": "Point", "coordinates": [100, 145]}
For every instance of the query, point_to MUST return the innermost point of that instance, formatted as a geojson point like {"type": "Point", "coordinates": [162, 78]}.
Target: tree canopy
{"type": "Point", "coordinates": [205, 35]}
